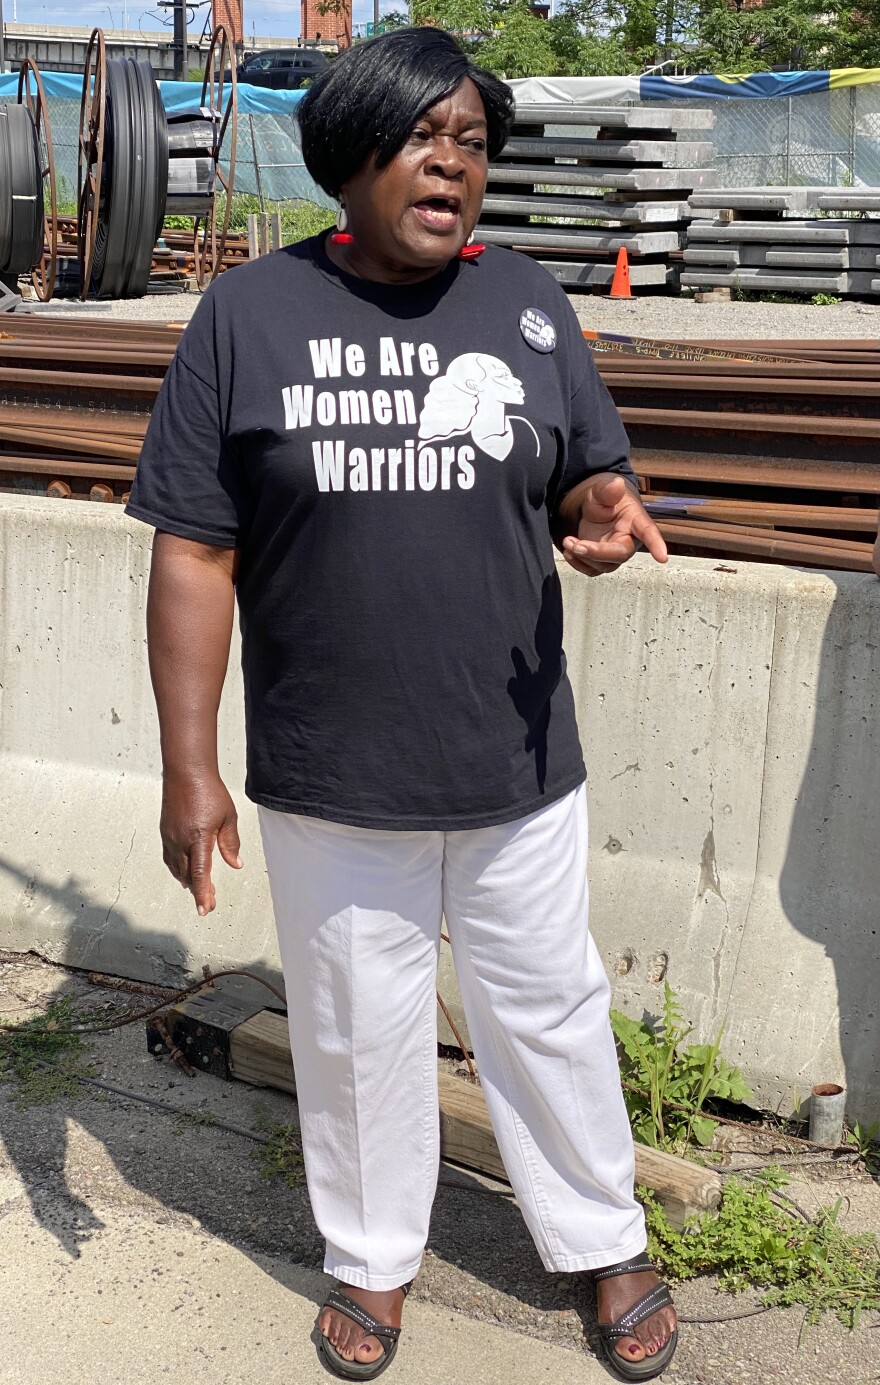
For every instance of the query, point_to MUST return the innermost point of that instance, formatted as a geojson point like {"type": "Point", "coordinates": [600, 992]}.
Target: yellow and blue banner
{"type": "Point", "coordinates": [761, 85]}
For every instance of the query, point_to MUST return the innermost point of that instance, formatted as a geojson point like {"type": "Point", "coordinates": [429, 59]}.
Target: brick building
{"type": "Point", "coordinates": [230, 14]}
{"type": "Point", "coordinates": [332, 27]}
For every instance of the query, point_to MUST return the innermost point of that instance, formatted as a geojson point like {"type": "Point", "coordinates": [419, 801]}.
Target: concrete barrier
{"type": "Point", "coordinates": [729, 715]}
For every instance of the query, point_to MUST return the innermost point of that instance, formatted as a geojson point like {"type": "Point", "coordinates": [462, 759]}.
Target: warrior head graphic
{"type": "Point", "coordinates": [471, 398]}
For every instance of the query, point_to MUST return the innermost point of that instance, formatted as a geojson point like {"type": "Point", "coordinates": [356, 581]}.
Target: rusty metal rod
{"type": "Point", "coordinates": [857, 478]}
{"type": "Point", "coordinates": [729, 541]}
{"type": "Point", "coordinates": [813, 424]}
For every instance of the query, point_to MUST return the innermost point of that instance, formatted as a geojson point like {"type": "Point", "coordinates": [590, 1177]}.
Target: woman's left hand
{"type": "Point", "coordinates": [613, 523]}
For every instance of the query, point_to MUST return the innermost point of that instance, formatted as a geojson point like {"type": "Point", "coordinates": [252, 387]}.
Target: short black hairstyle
{"type": "Point", "coordinates": [372, 95]}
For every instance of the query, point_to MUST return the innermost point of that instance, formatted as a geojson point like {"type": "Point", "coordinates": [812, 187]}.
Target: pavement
{"type": "Point", "coordinates": [140, 1241]}
{"type": "Point", "coordinates": [146, 1299]}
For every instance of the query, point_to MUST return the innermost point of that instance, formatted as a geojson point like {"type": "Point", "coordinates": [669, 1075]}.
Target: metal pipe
{"type": "Point", "coordinates": [179, 45]}
{"type": "Point", "coordinates": [827, 1106]}
{"type": "Point", "coordinates": [256, 163]}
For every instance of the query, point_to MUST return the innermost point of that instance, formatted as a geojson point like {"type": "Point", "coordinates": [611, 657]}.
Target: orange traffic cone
{"type": "Point", "coordinates": [620, 283]}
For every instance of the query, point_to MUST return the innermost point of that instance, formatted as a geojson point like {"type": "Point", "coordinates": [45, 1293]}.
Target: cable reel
{"type": "Point", "coordinates": [122, 182]}
{"type": "Point", "coordinates": [21, 184]}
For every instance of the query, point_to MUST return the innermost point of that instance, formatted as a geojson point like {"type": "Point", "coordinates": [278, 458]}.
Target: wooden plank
{"type": "Point", "coordinates": [259, 1052]}
{"type": "Point", "coordinates": [466, 1137]}
{"type": "Point", "coordinates": [202, 1027]}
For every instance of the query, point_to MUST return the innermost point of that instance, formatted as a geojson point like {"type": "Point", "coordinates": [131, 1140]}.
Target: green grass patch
{"type": "Point", "coordinates": [282, 1156]}
{"type": "Point", "coordinates": [45, 1061]}
{"type": "Point", "coordinates": [756, 1241]}
{"type": "Point", "coordinates": [187, 1119]}
{"type": "Point", "coordinates": [299, 220]}
{"type": "Point", "coordinates": [667, 1083]}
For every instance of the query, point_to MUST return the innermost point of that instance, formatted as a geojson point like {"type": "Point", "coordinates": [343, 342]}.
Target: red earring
{"type": "Point", "coordinates": [471, 251]}
{"type": "Point", "coordinates": [340, 236]}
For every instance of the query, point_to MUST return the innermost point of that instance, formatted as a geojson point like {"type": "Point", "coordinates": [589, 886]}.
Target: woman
{"type": "Point", "coordinates": [371, 439]}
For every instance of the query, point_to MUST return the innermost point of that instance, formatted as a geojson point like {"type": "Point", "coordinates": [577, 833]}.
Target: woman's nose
{"type": "Point", "coordinates": [446, 158]}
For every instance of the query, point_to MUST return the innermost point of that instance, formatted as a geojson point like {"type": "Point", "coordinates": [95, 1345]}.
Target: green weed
{"type": "Point", "coordinates": [282, 1157]}
{"type": "Point", "coordinates": [825, 300]}
{"type": "Point", "coordinates": [659, 1073]}
{"type": "Point", "coordinates": [189, 1118]}
{"type": "Point", "coordinates": [865, 1139]}
{"type": "Point", "coordinates": [299, 220]}
{"type": "Point", "coordinates": [754, 1241]}
{"type": "Point", "coordinates": [44, 1063]}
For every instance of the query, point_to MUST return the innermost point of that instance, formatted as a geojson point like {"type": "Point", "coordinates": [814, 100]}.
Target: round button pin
{"type": "Point", "coordinates": [537, 329]}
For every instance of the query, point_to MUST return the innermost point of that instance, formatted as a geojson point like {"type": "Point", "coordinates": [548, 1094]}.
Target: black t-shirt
{"type": "Point", "coordinates": [388, 460]}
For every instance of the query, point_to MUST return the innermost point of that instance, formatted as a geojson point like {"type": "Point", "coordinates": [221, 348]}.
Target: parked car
{"type": "Point", "coordinates": [282, 69]}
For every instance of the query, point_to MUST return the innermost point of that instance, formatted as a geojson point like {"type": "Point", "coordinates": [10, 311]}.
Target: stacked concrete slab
{"type": "Point", "coordinates": [576, 183]}
{"type": "Point", "coordinates": [784, 239]}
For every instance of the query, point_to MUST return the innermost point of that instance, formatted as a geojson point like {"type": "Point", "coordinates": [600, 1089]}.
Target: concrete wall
{"type": "Point", "coordinates": [63, 49]}
{"type": "Point", "coordinates": [729, 714]}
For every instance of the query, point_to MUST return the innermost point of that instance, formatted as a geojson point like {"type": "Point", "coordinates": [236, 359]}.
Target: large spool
{"type": "Point", "coordinates": [136, 166]}
{"type": "Point", "coordinates": [123, 174]}
{"type": "Point", "coordinates": [21, 192]}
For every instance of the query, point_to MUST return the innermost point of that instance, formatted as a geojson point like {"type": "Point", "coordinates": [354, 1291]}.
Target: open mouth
{"type": "Point", "coordinates": [438, 213]}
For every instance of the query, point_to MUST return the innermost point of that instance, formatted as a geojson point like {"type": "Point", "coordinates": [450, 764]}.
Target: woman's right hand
{"type": "Point", "coordinates": [197, 812]}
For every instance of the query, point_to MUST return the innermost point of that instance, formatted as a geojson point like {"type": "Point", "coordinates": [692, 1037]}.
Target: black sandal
{"type": "Point", "coordinates": [644, 1308]}
{"type": "Point", "coordinates": [388, 1336]}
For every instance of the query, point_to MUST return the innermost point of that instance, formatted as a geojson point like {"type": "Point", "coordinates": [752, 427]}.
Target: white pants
{"type": "Point", "coordinates": [358, 914]}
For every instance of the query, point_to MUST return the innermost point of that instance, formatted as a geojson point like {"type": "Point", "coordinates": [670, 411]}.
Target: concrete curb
{"type": "Point", "coordinates": [729, 714]}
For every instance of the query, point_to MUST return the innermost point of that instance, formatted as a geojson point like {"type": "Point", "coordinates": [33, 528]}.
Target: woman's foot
{"type": "Point", "coordinates": [347, 1336]}
{"type": "Point", "coordinates": [615, 1296]}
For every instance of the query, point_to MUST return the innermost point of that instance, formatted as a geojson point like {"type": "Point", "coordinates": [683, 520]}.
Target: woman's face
{"type": "Point", "coordinates": [411, 217]}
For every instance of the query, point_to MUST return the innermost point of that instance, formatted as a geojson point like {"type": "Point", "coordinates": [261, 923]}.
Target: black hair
{"type": "Point", "coordinates": [372, 95]}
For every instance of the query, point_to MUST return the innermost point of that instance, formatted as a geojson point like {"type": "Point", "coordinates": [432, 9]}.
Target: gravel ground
{"type": "Point", "coordinates": [107, 1151]}
{"type": "Point", "coordinates": [671, 318]}
{"type": "Point", "coordinates": [677, 318]}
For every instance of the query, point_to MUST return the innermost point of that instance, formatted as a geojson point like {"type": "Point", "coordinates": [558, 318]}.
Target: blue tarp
{"type": "Point", "coordinates": [176, 96]}
{"type": "Point", "coordinates": [179, 96]}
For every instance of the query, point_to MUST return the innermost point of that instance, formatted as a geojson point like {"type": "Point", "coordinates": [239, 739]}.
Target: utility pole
{"type": "Point", "coordinates": [375, 16]}
{"type": "Point", "coordinates": [2, 41]}
{"type": "Point", "coordinates": [181, 56]}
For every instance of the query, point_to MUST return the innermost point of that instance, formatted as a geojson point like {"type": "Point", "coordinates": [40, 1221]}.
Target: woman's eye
{"type": "Point", "coordinates": [421, 135]}
{"type": "Point", "coordinates": [476, 145]}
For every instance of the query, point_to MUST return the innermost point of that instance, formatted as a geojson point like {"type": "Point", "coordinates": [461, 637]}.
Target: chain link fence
{"type": "Point", "coordinates": [825, 138]}
{"type": "Point", "coordinates": [269, 162]}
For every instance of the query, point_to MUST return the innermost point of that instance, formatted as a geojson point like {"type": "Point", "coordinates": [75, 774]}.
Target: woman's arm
{"type": "Point", "coordinates": [189, 627]}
